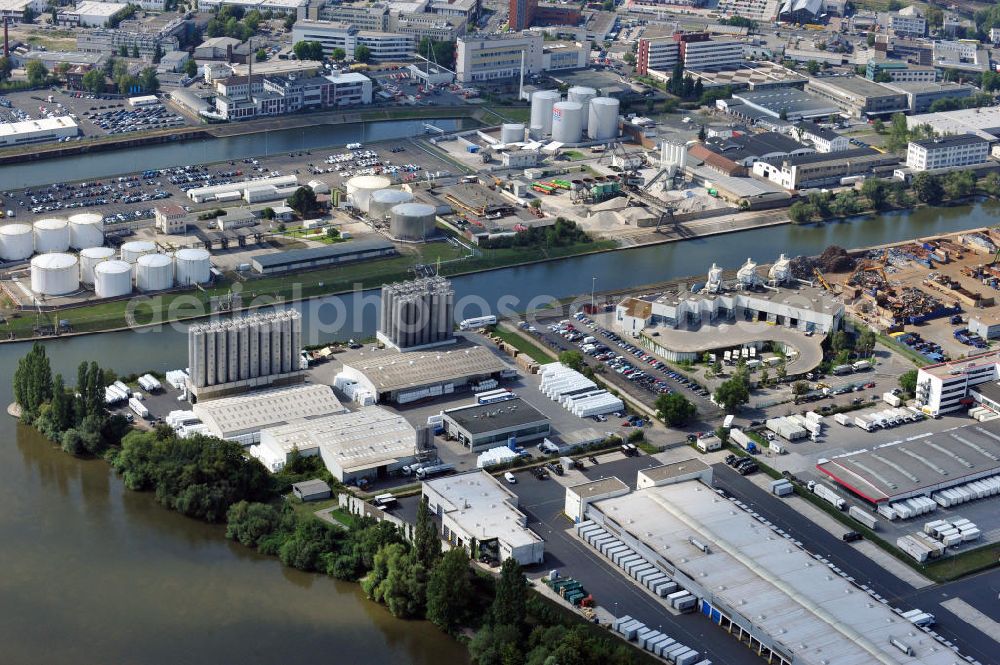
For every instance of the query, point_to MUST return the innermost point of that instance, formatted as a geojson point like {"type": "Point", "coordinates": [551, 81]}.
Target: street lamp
{"type": "Point", "coordinates": [593, 284]}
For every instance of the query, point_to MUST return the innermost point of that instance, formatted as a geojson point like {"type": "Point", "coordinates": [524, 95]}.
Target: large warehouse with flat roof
{"type": "Point", "coordinates": [757, 584]}
{"type": "Point", "coordinates": [387, 375]}
{"type": "Point", "coordinates": [480, 426]}
{"type": "Point", "coordinates": [321, 257]}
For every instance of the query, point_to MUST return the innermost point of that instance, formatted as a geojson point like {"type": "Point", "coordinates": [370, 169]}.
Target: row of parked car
{"type": "Point", "coordinates": [743, 465]}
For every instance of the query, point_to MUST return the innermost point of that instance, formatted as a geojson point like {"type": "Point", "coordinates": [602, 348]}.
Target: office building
{"type": "Point", "coordinates": [432, 26]}
{"type": "Point", "coordinates": [417, 314]}
{"type": "Point", "coordinates": [370, 443]}
{"type": "Point", "coordinates": [858, 96]}
{"type": "Point", "coordinates": [946, 387]}
{"type": "Point", "coordinates": [482, 426]}
{"type": "Point", "coordinates": [103, 40]}
{"type": "Point", "coordinates": [13, 10]}
{"type": "Point", "coordinates": [762, 11]}
{"type": "Point", "coordinates": [487, 59]}
{"type": "Point", "coordinates": [242, 97]}
{"type": "Point", "coordinates": [947, 152]}
{"type": "Point", "coordinates": [526, 13]}
{"type": "Point", "coordinates": [907, 24]}
{"type": "Point", "coordinates": [822, 139]}
{"type": "Point", "coordinates": [170, 218]}
{"type": "Point", "coordinates": [476, 506]}
{"type": "Point", "coordinates": [962, 54]}
{"type": "Point", "coordinates": [273, 6]}
{"type": "Point", "coordinates": [920, 96]}
{"type": "Point", "coordinates": [363, 17]}
{"type": "Point", "coordinates": [334, 34]}
{"type": "Point", "coordinates": [700, 53]}
{"type": "Point", "coordinates": [900, 72]}
{"type": "Point", "coordinates": [825, 169]}
{"type": "Point", "coordinates": [658, 53]}
{"type": "Point", "coordinates": [244, 353]}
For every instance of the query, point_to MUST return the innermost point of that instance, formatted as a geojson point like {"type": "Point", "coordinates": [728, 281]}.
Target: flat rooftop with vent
{"type": "Point", "coordinates": [480, 426]}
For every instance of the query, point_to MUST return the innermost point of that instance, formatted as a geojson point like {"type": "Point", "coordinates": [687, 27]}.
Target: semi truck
{"type": "Point", "coordinates": [138, 408]}
{"type": "Point", "coordinates": [827, 494]}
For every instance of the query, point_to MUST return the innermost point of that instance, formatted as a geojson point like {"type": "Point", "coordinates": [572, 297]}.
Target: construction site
{"type": "Point", "coordinates": [936, 295]}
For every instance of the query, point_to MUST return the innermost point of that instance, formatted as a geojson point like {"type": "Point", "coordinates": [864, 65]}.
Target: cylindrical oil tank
{"type": "Point", "coordinates": [360, 189]}
{"type": "Point", "coordinates": [384, 200]}
{"type": "Point", "coordinates": [541, 112]}
{"type": "Point", "coordinates": [192, 265]}
{"type": "Point", "coordinates": [154, 272]}
{"type": "Point", "coordinates": [51, 235]}
{"type": "Point", "coordinates": [512, 132]}
{"type": "Point", "coordinates": [131, 251]}
{"type": "Point", "coordinates": [17, 242]}
{"type": "Point", "coordinates": [89, 258]}
{"type": "Point", "coordinates": [412, 221]}
{"type": "Point", "coordinates": [567, 122]}
{"type": "Point", "coordinates": [54, 274]}
{"type": "Point", "coordinates": [112, 279]}
{"type": "Point", "coordinates": [86, 230]}
{"type": "Point", "coordinates": [581, 94]}
{"type": "Point", "coordinates": [602, 123]}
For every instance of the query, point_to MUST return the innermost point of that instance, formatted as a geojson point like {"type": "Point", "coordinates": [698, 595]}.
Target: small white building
{"type": "Point", "coordinates": [947, 152]}
{"type": "Point", "coordinates": [821, 138]}
{"type": "Point", "coordinates": [476, 505]}
{"type": "Point", "coordinates": [90, 14]}
{"type": "Point", "coordinates": [36, 131]}
{"type": "Point", "coordinates": [170, 218]}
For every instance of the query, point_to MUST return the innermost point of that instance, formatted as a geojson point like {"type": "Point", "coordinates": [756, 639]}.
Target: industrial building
{"type": "Point", "coordinates": [481, 426]}
{"type": "Point", "coordinates": [386, 375]}
{"type": "Point", "coordinates": [748, 149]}
{"type": "Point", "coordinates": [501, 57]}
{"type": "Point", "coordinates": [904, 469]}
{"type": "Point", "coordinates": [900, 72]}
{"type": "Point", "coordinates": [333, 35]}
{"type": "Point", "coordinates": [983, 122]}
{"type": "Point", "coordinates": [37, 131]}
{"type": "Point", "coordinates": [476, 506]}
{"type": "Point", "coordinates": [273, 6]}
{"type": "Point", "coordinates": [822, 139]}
{"type": "Point", "coordinates": [824, 169]}
{"type": "Point", "coordinates": [791, 103]}
{"type": "Point", "coordinates": [244, 353]}
{"type": "Point", "coordinates": [242, 97]}
{"type": "Point", "coordinates": [858, 96]}
{"type": "Point", "coordinates": [369, 443]}
{"type": "Point", "coordinates": [417, 314]}
{"type": "Point", "coordinates": [321, 257]}
{"type": "Point", "coordinates": [242, 417]}
{"type": "Point", "coordinates": [89, 14]}
{"type": "Point", "coordinates": [947, 152]}
{"type": "Point", "coordinates": [754, 582]}
{"type": "Point", "coordinates": [921, 95]}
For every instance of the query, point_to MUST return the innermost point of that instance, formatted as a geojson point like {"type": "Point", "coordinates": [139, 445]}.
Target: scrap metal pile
{"type": "Point", "coordinates": [833, 260]}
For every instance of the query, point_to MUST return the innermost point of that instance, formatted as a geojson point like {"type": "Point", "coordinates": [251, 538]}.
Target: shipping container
{"type": "Point", "coordinates": [827, 494]}
{"type": "Point", "coordinates": [865, 518]}
{"type": "Point", "coordinates": [913, 547]}
{"type": "Point", "coordinates": [891, 400]}
{"type": "Point", "coordinates": [138, 408]}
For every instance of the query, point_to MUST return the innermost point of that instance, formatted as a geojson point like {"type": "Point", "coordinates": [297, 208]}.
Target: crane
{"type": "Point", "coordinates": [822, 280]}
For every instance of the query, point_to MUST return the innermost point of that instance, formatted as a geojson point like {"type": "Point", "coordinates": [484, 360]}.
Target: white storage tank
{"type": "Point", "coordinates": [89, 258]}
{"type": "Point", "coordinates": [131, 251]}
{"type": "Point", "coordinates": [360, 189]}
{"type": "Point", "coordinates": [602, 123]}
{"type": "Point", "coordinates": [17, 242]}
{"type": "Point", "coordinates": [581, 94]}
{"type": "Point", "coordinates": [567, 122]}
{"type": "Point", "coordinates": [112, 279]}
{"type": "Point", "coordinates": [86, 229]}
{"type": "Point", "coordinates": [192, 265]}
{"type": "Point", "coordinates": [319, 187]}
{"type": "Point", "coordinates": [541, 112]}
{"type": "Point", "coordinates": [384, 200]}
{"type": "Point", "coordinates": [154, 272]}
{"type": "Point", "coordinates": [412, 221]}
{"type": "Point", "coordinates": [54, 274]}
{"type": "Point", "coordinates": [51, 235]}
{"type": "Point", "coordinates": [512, 132]}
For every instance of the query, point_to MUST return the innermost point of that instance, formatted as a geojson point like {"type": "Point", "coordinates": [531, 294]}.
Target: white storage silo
{"type": "Point", "coordinates": [54, 274]}
{"type": "Point", "coordinates": [412, 221]}
{"type": "Point", "coordinates": [192, 265]}
{"type": "Point", "coordinates": [131, 251]}
{"type": "Point", "coordinates": [360, 189]}
{"type": "Point", "coordinates": [384, 200]}
{"type": "Point", "coordinates": [51, 235]}
{"type": "Point", "coordinates": [512, 132]}
{"type": "Point", "coordinates": [112, 279]}
{"type": "Point", "coordinates": [582, 95]}
{"type": "Point", "coordinates": [567, 122]}
{"type": "Point", "coordinates": [154, 272]}
{"type": "Point", "coordinates": [86, 230]}
{"type": "Point", "coordinates": [541, 112]}
{"type": "Point", "coordinates": [89, 258]}
{"type": "Point", "coordinates": [17, 242]}
{"type": "Point", "coordinates": [602, 123]}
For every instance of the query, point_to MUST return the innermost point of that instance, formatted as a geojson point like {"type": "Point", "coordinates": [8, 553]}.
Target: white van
{"type": "Point", "coordinates": [509, 477]}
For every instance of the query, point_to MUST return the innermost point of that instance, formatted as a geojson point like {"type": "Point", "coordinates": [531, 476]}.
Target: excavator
{"type": "Point", "coordinates": [822, 280]}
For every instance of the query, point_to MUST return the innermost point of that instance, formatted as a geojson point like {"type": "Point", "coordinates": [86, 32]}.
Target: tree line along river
{"type": "Point", "coordinates": [94, 573]}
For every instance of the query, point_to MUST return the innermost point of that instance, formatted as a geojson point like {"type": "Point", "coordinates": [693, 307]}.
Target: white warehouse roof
{"type": "Point", "coordinates": [252, 412]}
{"type": "Point", "coordinates": [807, 610]}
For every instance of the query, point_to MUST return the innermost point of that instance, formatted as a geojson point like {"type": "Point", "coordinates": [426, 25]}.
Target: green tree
{"type": "Point", "coordinates": [303, 201]}
{"type": "Point", "coordinates": [148, 80]}
{"type": "Point", "coordinates": [500, 645]}
{"type": "Point", "coordinates": [71, 442]}
{"type": "Point", "coordinates": [874, 190]}
{"type": "Point", "coordinates": [33, 382]}
{"type": "Point", "coordinates": [93, 81]}
{"type": "Point", "coordinates": [339, 54]}
{"type": "Point", "coordinates": [249, 523]}
{"type": "Point", "coordinates": [308, 50]}
{"type": "Point", "coordinates": [6, 67]}
{"type": "Point", "coordinates": [870, 40]}
{"type": "Point", "coordinates": [840, 341]}
{"type": "Point", "coordinates": [191, 68]}
{"type": "Point", "coordinates": [426, 541]}
{"type": "Point", "coordinates": [135, 52]}
{"type": "Point", "coordinates": [123, 51]}
{"type": "Point", "coordinates": [261, 55]}
{"type": "Point", "coordinates": [362, 53]}
{"type": "Point", "coordinates": [510, 603]}
{"type": "Point", "coordinates": [61, 408]}
{"type": "Point", "coordinates": [733, 393]}
{"type": "Point", "coordinates": [959, 184]}
{"type": "Point", "coordinates": [800, 388]}
{"type": "Point", "coordinates": [927, 187]}
{"type": "Point", "coordinates": [812, 67]}
{"type": "Point", "coordinates": [267, 213]}
{"type": "Point", "coordinates": [908, 382]}
{"type": "Point", "coordinates": [674, 409]}
{"type": "Point", "coordinates": [879, 126]}
{"type": "Point", "coordinates": [398, 580]}
{"type": "Point", "coordinates": [801, 212]}
{"type": "Point", "coordinates": [572, 359]}
{"type": "Point", "coordinates": [449, 591]}
{"type": "Point", "coordinates": [37, 73]}
{"type": "Point", "coordinates": [865, 344]}
{"type": "Point", "coordinates": [702, 134]}
{"type": "Point", "coordinates": [991, 184]}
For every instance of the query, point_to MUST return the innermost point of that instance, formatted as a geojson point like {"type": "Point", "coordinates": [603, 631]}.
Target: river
{"type": "Point", "coordinates": [96, 165]}
{"type": "Point", "coordinates": [93, 573]}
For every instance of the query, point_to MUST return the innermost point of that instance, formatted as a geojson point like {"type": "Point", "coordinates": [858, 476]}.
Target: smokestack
{"type": "Point", "coordinates": [229, 53]}
{"type": "Point", "coordinates": [6, 38]}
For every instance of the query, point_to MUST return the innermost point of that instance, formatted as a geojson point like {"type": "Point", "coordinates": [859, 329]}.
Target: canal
{"type": "Point", "coordinates": [95, 573]}
{"type": "Point", "coordinates": [92, 166]}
